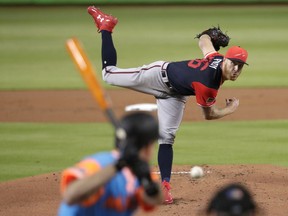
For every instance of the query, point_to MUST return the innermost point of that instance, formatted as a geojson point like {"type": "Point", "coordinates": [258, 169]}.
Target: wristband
{"type": "Point", "coordinates": [120, 164]}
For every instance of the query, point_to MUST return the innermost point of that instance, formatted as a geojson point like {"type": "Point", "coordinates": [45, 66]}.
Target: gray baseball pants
{"type": "Point", "coordinates": [152, 79]}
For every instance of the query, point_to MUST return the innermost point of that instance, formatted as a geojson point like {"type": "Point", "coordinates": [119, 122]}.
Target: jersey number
{"type": "Point", "coordinates": [199, 63]}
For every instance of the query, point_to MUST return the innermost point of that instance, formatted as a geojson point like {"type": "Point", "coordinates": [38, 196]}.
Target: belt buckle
{"type": "Point", "coordinates": [165, 79]}
{"type": "Point", "coordinates": [164, 76]}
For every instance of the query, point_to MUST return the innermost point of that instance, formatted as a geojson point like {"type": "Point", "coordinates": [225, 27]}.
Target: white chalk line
{"type": "Point", "coordinates": [174, 173]}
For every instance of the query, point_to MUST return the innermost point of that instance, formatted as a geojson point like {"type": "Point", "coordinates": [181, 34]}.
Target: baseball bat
{"type": "Point", "coordinates": [89, 76]}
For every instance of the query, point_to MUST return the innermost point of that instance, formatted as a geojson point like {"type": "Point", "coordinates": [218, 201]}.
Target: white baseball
{"type": "Point", "coordinates": [196, 172]}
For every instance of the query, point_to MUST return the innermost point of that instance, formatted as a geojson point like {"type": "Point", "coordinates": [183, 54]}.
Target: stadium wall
{"type": "Point", "coordinates": [119, 2]}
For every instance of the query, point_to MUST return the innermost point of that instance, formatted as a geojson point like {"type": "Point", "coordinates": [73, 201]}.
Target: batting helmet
{"type": "Point", "coordinates": [138, 129]}
{"type": "Point", "coordinates": [232, 200]}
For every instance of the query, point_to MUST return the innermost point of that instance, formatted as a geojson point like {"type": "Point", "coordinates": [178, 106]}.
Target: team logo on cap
{"type": "Point", "coordinates": [210, 100]}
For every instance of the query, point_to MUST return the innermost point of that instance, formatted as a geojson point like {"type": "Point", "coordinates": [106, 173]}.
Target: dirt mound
{"type": "Point", "coordinates": [39, 195]}
{"type": "Point", "coordinates": [79, 106]}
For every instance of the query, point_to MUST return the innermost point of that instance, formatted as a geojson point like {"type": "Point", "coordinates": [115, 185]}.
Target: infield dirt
{"type": "Point", "coordinates": [39, 195]}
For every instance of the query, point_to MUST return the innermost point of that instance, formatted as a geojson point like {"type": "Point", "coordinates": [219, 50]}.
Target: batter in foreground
{"type": "Point", "coordinates": [172, 82]}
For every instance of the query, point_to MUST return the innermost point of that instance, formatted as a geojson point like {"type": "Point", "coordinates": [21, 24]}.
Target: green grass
{"type": "Point", "coordinates": [33, 55]}
{"type": "Point", "coordinates": [31, 149]}
{"type": "Point", "coordinates": [260, 142]}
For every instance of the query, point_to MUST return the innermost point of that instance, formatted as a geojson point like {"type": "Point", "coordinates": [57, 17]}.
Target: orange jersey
{"type": "Point", "coordinates": [120, 196]}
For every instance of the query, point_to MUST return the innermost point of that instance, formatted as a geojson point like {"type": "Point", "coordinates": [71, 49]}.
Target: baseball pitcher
{"type": "Point", "coordinates": [172, 82]}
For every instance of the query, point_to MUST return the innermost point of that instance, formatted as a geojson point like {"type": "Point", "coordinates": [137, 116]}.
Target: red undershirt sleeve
{"type": "Point", "coordinates": [205, 96]}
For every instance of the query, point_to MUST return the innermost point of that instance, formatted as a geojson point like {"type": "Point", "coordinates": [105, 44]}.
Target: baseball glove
{"type": "Point", "coordinates": [218, 38]}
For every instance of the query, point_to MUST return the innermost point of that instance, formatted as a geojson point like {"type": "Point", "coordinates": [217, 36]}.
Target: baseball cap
{"type": "Point", "coordinates": [234, 199]}
{"type": "Point", "coordinates": [236, 53]}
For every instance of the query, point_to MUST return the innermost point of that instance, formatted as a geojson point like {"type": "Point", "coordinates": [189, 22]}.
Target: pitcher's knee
{"type": "Point", "coordinates": [105, 74]}
{"type": "Point", "coordinates": [167, 139]}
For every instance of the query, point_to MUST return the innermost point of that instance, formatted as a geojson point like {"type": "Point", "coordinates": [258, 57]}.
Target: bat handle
{"type": "Point", "coordinates": [110, 114]}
